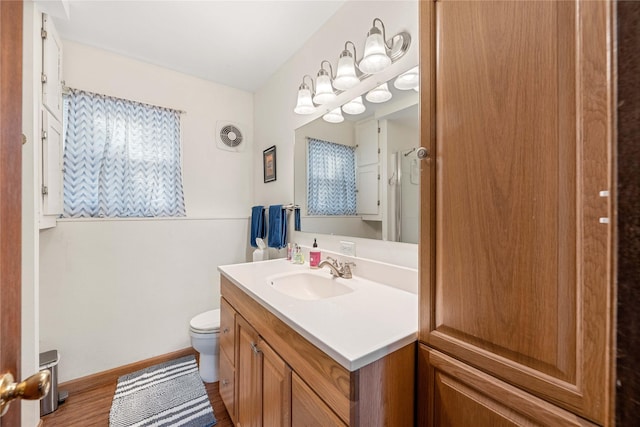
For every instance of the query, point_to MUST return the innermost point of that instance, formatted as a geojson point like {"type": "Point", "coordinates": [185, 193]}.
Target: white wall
{"type": "Point", "coordinates": [275, 122]}
{"type": "Point", "coordinates": [118, 291]}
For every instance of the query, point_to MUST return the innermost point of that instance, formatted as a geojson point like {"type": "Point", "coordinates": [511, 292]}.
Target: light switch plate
{"type": "Point", "coordinates": [348, 248]}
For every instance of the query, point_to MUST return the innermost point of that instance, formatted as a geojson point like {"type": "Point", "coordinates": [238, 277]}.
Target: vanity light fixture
{"type": "Point", "coordinates": [324, 89]}
{"type": "Point", "coordinates": [379, 94]}
{"type": "Point", "coordinates": [355, 106]}
{"type": "Point", "coordinates": [334, 116]}
{"type": "Point", "coordinates": [305, 103]}
{"type": "Point", "coordinates": [375, 58]}
{"type": "Point", "coordinates": [379, 53]}
{"type": "Point", "coordinates": [346, 76]}
{"type": "Point", "coordinates": [408, 80]}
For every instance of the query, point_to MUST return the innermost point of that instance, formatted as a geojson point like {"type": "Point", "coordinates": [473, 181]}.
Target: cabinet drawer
{"type": "Point", "coordinates": [227, 330]}
{"type": "Point", "coordinates": [227, 384]}
{"type": "Point", "coordinates": [307, 409]}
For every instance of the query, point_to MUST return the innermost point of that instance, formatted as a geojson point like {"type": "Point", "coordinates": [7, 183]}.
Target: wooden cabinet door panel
{"type": "Point", "coordinates": [276, 388]}
{"type": "Point", "coordinates": [227, 330]}
{"type": "Point", "coordinates": [519, 286]}
{"type": "Point", "coordinates": [307, 409]}
{"type": "Point", "coordinates": [227, 384]}
{"type": "Point", "coordinates": [248, 376]}
{"type": "Point", "coordinates": [462, 396]}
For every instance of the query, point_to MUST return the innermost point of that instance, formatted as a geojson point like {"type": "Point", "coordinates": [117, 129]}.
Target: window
{"type": "Point", "coordinates": [121, 158]}
{"type": "Point", "coordinates": [331, 179]}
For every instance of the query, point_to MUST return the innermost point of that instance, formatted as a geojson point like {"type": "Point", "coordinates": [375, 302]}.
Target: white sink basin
{"type": "Point", "coordinates": [309, 285]}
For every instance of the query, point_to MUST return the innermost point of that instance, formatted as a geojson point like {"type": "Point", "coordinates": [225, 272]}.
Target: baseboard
{"type": "Point", "coordinates": [111, 376]}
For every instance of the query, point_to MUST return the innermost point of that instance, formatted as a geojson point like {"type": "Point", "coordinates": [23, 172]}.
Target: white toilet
{"type": "Point", "coordinates": [205, 334]}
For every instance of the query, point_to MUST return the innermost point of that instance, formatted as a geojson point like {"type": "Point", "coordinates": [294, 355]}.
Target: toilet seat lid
{"type": "Point", "coordinates": [209, 321]}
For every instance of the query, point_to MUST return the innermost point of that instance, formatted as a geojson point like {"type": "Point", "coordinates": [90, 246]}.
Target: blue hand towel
{"type": "Point", "coordinates": [258, 228]}
{"type": "Point", "coordinates": [277, 227]}
{"type": "Point", "coordinates": [296, 219]}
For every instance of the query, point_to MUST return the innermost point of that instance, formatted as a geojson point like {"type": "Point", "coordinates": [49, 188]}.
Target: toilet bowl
{"type": "Point", "coordinates": [205, 333]}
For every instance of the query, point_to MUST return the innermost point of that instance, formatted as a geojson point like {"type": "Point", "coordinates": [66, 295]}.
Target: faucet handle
{"type": "Point", "coordinates": [346, 269]}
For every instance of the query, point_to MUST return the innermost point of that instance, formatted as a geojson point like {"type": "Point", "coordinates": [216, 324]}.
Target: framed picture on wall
{"type": "Point", "coordinates": [269, 163]}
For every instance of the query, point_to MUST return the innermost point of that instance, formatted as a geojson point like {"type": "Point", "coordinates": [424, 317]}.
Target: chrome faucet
{"type": "Point", "coordinates": [338, 269]}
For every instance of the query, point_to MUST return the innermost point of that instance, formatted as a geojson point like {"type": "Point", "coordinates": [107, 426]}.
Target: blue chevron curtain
{"type": "Point", "coordinates": [331, 178]}
{"type": "Point", "coordinates": [121, 158]}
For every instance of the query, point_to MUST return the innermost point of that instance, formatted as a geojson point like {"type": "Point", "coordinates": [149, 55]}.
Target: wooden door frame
{"type": "Point", "coordinates": [10, 193]}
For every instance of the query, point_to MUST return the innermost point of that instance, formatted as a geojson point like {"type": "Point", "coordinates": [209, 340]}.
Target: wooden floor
{"type": "Point", "coordinates": [89, 405]}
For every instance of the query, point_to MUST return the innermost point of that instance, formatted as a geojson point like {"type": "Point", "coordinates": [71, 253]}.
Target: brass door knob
{"type": "Point", "coordinates": [33, 388]}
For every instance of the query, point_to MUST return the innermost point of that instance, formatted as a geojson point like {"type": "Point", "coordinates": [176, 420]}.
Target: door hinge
{"type": "Point", "coordinates": [378, 129]}
{"type": "Point", "coordinates": [43, 78]}
{"type": "Point", "coordinates": [378, 151]}
{"type": "Point", "coordinates": [45, 190]}
{"type": "Point", "coordinates": [378, 177]}
{"type": "Point", "coordinates": [43, 33]}
{"type": "Point", "coordinates": [378, 202]}
{"type": "Point", "coordinates": [44, 135]}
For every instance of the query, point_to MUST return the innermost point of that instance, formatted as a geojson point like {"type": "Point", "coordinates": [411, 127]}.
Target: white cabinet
{"type": "Point", "coordinates": [51, 134]}
{"type": "Point", "coordinates": [51, 69]}
{"type": "Point", "coordinates": [51, 165]}
{"type": "Point", "coordinates": [368, 170]}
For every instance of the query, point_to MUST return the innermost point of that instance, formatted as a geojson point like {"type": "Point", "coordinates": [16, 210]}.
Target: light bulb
{"type": "Point", "coordinates": [375, 57]}
{"type": "Point", "coordinates": [324, 90]}
{"type": "Point", "coordinates": [408, 80]}
{"type": "Point", "coordinates": [304, 105]}
{"type": "Point", "coordinates": [379, 94]}
{"type": "Point", "coordinates": [346, 77]}
{"type": "Point", "coordinates": [355, 106]}
{"type": "Point", "coordinates": [334, 116]}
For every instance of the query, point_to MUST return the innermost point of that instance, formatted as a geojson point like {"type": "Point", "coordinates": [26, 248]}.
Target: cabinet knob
{"type": "Point", "coordinates": [225, 331]}
{"type": "Point", "coordinates": [225, 383]}
{"type": "Point", "coordinates": [255, 348]}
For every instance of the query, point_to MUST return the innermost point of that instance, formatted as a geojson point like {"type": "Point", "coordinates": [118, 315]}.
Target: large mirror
{"type": "Point", "coordinates": [360, 177]}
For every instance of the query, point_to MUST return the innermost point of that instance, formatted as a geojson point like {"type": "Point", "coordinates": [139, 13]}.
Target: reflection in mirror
{"type": "Point", "coordinates": [360, 177]}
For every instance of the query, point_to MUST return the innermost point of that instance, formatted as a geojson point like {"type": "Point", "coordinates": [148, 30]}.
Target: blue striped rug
{"type": "Point", "coordinates": [168, 394]}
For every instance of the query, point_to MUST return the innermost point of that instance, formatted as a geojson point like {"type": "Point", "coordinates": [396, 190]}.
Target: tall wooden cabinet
{"type": "Point", "coordinates": [516, 316]}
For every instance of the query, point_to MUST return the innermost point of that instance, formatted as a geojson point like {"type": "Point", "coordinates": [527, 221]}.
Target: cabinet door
{"type": "Point", "coordinates": [227, 330]}
{"type": "Point", "coordinates": [519, 287]}
{"type": "Point", "coordinates": [248, 376]}
{"type": "Point", "coordinates": [227, 384]}
{"type": "Point", "coordinates": [51, 69]}
{"type": "Point", "coordinates": [367, 152]}
{"type": "Point", "coordinates": [276, 388]}
{"type": "Point", "coordinates": [307, 409]}
{"type": "Point", "coordinates": [462, 396]}
{"type": "Point", "coordinates": [367, 198]}
{"type": "Point", "coordinates": [51, 165]}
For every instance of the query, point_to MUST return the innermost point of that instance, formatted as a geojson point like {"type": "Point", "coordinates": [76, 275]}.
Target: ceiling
{"type": "Point", "coordinates": [236, 43]}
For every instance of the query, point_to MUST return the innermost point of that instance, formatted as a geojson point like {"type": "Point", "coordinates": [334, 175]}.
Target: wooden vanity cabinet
{"type": "Point", "coordinates": [263, 381]}
{"type": "Point", "coordinates": [515, 285]}
{"type": "Point", "coordinates": [281, 379]}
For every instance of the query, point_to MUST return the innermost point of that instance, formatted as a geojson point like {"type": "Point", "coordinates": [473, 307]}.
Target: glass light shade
{"type": "Point", "coordinates": [408, 80]}
{"type": "Point", "coordinates": [304, 105]}
{"type": "Point", "coordinates": [334, 116]}
{"type": "Point", "coordinates": [355, 106]}
{"type": "Point", "coordinates": [375, 58]}
{"type": "Point", "coordinates": [379, 94]}
{"type": "Point", "coordinates": [346, 75]}
{"type": "Point", "coordinates": [324, 91]}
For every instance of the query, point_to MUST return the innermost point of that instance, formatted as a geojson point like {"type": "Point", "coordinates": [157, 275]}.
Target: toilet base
{"type": "Point", "coordinates": [208, 367]}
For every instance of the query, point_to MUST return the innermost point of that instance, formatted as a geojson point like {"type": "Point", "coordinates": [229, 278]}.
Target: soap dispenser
{"type": "Point", "coordinates": [314, 255]}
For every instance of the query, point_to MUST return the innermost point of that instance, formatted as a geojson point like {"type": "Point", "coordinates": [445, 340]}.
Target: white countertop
{"type": "Point", "coordinates": [355, 329]}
